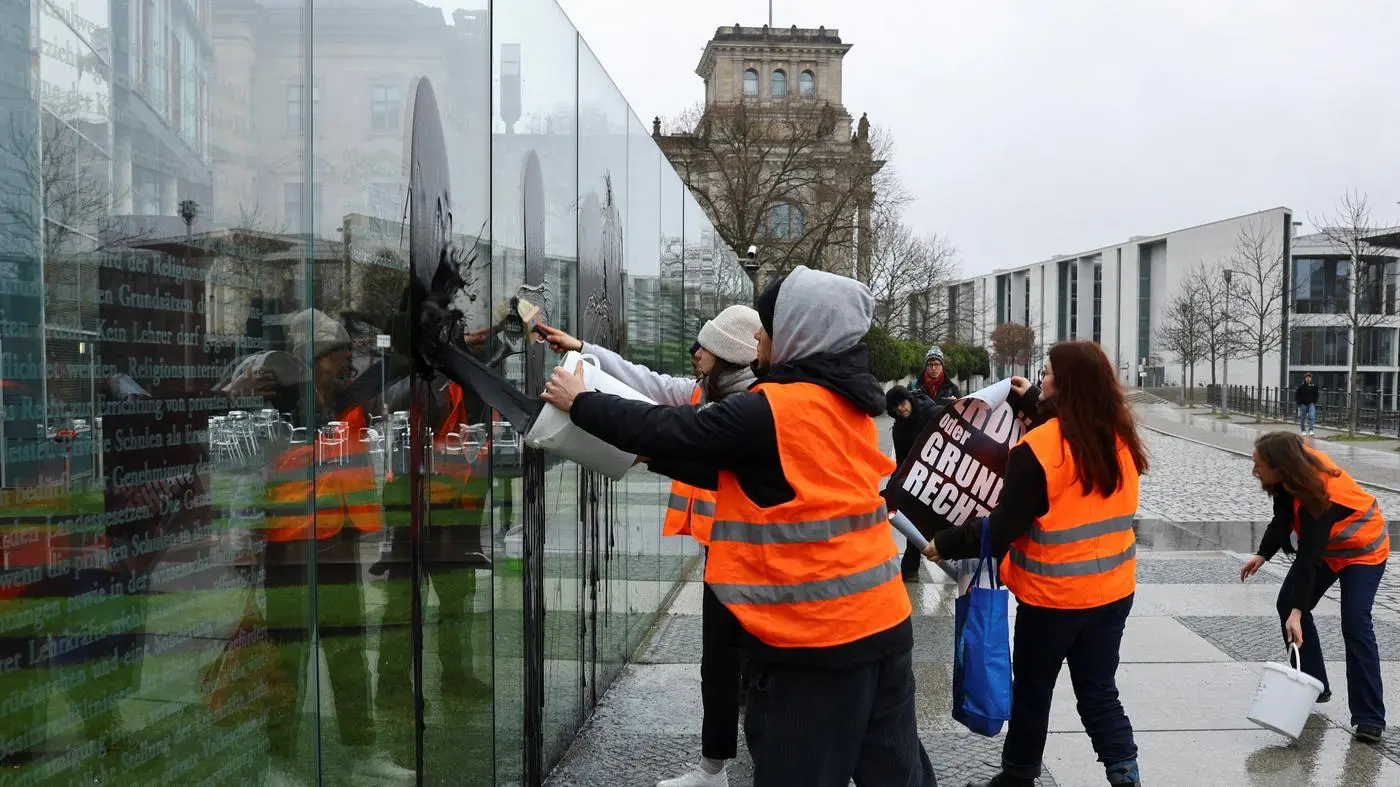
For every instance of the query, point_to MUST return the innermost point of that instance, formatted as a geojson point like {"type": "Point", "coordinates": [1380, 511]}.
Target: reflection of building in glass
{"type": "Point", "coordinates": [350, 119]}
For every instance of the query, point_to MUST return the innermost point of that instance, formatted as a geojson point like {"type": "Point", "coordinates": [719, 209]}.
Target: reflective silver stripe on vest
{"type": "Point", "coordinates": [1070, 535]}
{"type": "Point", "coordinates": [678, 502]}
{"type": "Point", "coordinates": [704, 507]}
{"type": "Point", "coordinates": [1358, 551]}
{"type": "Point", "coordinates": [1355, 527]}
{"type": "Point", "coordinates": [818, 590]}
{"type": "Point", "coordinates": [1077, 568]}
{"type": "Point", "coordinates": [810, 532]}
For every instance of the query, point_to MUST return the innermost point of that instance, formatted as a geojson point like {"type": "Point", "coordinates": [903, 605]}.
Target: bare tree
{"type": "Point", "coordinates": [1219, 339]}
{"type": "Point", "coordinates": [1182, 333]}
{"type": "Point", "coordinates": [909, 277]}
{"type": "Point", "coordinates": [1257, 292]}
{"type": "Point", "coordinates": [780, 177]}
{"type": "Point", "coordinates": [54, 164]}
{"type": "Point", "coordinates": [1370, 296]}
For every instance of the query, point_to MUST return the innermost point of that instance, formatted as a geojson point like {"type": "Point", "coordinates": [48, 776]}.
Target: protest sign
{"type": "Point", "coordinates": [954, 473]}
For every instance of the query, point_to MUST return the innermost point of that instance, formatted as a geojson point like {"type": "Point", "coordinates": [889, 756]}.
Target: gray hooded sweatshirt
{"type": "Point", "coordinates": [817, 321]}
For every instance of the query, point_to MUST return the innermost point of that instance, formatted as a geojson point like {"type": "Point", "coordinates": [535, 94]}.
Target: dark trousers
{"type": "Point", "coordinates": [1359, 584]}
{"type": "Point", "coordinates": [909, 564]}
{"type": "Point", "coordinates": [719, 678]}
{"type": "Point", "coordinates": [823, 727]}
{"type": "Point", "coordinates": [340, 617]}
{"type": "Point", "coordinates": [1088, 639]}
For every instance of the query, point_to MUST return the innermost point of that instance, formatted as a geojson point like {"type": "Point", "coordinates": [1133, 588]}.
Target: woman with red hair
{"type": "Point", "coordinates": [1064, 532]}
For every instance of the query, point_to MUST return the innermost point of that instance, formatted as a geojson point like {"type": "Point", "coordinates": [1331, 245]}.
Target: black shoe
{"type": "Point", "coordinates": [912, 578]}
{"type": "Point", "coordinates": [1002, 780]}
{"type": "Point", "coordinates": [1369, 733]}
{"type": "Point", "coordinates": [1324, 697]}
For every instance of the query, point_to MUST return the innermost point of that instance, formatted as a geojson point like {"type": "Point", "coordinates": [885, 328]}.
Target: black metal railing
{"type": "Point", "coordinates": [1377, 412]}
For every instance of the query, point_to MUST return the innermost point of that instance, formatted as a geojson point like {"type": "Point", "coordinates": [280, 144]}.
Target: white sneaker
{"type": "Point", "coordinates": [379, 769]}
{"type": "Point", "coordinates": [698, 778]}
{"type": "Point", "coordinates": [1312, 433]}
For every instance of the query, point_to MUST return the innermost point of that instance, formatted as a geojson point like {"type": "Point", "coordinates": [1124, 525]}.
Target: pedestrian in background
{"type": "Point", "coordinates": [910, 416]}
{"type": "Point", "coordinates": [722, 360]}
{"type": "Point", "coordinates": [1068, 493]}
{"type": "Point", "coordinates": [1341, 538]}
{"type": "Point", "coordinates": [801, 550]}
{"type": "Point", "coordinates": [934, 383]}
{"type": "Point", "coordinates": [1306, 397]}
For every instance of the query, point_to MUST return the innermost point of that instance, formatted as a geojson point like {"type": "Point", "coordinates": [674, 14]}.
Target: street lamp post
{"type": "Point", "coordinates": [1225, 372]}
{"type": "Point", "coordinates": [751, 265]}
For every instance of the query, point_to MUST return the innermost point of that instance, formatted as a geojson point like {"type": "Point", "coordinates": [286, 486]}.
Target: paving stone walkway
{"type": "Point", "coordinates": [1191, 658]}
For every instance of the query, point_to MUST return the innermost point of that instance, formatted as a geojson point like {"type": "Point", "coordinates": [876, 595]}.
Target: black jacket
{"type": "Point", "coordinates": [693, 445]}
{"type": "Point", "coordinates": [1306, 394]}
{"type": "Point", "coordinates": [1024, 497]}
{"type": "Point", "coordinates": [906, 430]}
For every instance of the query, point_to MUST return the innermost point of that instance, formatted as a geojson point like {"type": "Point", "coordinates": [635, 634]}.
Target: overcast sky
{"type": "Point", "coordinates": [1028, 128]}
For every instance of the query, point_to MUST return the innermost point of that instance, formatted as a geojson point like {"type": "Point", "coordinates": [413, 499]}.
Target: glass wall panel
{"type": "Point", "coordinates": [242, 540]}
{"type": "Point", "coordinates": [646, 492]}
{"type": "Point", "coordinates": [535, 226]}
{"type": "Point", "coordinates": [676, 332]}
{"type": "Point", "coordinates": [602, 206]}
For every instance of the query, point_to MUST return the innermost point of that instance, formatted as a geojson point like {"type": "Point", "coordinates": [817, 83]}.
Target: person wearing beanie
{"type": "Point", "coordinates": [323, 344]}
{"type": "Point", "coordinates": [934, 384]}
{"type": "Point", "coordinates": [723, 357]}
{"type": "Point", "coordinates": [801, 551]}
{"type": "Point", "coordinates": [910, 416]}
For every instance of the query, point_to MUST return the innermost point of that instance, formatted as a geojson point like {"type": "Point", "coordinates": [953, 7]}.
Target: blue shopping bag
{"type": "Point", "coordinates": [982, 650]}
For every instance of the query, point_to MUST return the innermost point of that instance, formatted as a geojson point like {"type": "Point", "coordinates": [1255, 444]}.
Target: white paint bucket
{"type": "Point", "coordinates": [552, 430]}
{"type": "Point", "coordinates": [1285, 697]}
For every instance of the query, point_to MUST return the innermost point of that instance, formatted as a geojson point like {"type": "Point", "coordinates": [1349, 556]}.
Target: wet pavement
{"type": "Point", "coordinates": [1375, 463]}
{"type": "Point", "coordinates": [1191, 659]}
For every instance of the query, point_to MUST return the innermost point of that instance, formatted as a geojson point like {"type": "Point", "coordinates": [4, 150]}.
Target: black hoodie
{"type": "Point", "coordinates": [738, 435]}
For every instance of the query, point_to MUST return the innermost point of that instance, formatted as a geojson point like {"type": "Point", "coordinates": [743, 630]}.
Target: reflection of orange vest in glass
{"type": "Point", "coordinates": [1082, 553]}
{"type": "Point", "coordinates": [820, 570]}
{"type": "Point", "coordinates": [299, 491]}
{"type": "Point", "coordinates": [452, 472]}
{"type": "Point", "coordinates": [1360, 539]}
{"type": "Point", "coordinates": [691, 510]}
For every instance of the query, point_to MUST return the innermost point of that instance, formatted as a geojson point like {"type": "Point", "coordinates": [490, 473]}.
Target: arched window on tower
{"type": "Point", "coordinates": [786, 222]}
{"type": "Point", "coordinates": [807, 84]}
{"type": "Point", "coordinates": [779, 84]}
{"type": "Point", "coordinates": [751, 82]}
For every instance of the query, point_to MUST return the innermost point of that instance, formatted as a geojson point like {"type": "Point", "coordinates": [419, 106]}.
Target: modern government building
{"type": "Point", "coordinates": [1120, 296]}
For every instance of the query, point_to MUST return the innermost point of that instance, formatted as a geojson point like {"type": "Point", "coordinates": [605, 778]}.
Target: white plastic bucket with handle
{"type": "Point", "coordinates": [552, 430]}
{"type": "Point", "coordinates": [1285, 697]}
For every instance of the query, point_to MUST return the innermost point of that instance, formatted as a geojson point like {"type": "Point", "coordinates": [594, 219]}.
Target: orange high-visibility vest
{"type": "Point", "coordinates": [819, 570]}
{"type": "Point", "coordinates": [691, 510]}
{"type": "Point", "coordinates": [332, 494]}
{"type": "Point", "coordinates": [1082, 553]}
{"type": "Point", "coordinates": [1360, 539]}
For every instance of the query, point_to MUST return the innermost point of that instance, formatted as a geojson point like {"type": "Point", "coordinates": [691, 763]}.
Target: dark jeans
{"type": "Point", "coordinates": [1089, 640]}
{"type": "Point", "coordinates": [823, 727]}
{"type": "Point", "coordinates": [719, 678]}
{"type": "Point", "coordinates": [1359, 585]}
